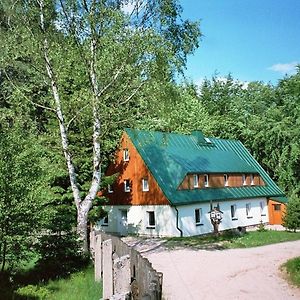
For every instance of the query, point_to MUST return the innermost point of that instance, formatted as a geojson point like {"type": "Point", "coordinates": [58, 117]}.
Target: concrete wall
{"type": "Point", "coordinates": [124, 272]}
{"type": "Point", "coordinates": [165, 217]}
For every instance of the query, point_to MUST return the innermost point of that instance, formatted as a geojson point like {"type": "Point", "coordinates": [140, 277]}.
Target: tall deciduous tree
{"type": "Point", "coordinates": [104, 62]}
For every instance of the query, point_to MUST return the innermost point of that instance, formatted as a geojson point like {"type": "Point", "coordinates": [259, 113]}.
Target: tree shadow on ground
{"type": "Point", "coordinates": [40, 274]}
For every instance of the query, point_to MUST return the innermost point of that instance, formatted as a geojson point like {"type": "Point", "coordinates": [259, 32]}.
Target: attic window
{"type": "Point", "coordinates": [207, 140]}
{"type": "Point", "coordinates": [105, 221]}
{"type": "Point", "coordinates": [244, 179]}
{"type": "Point", "coordinates": [206, 183]}
{"type": "Point", "coordinates": [126, 154]}
{"type": "Point", "coordinates": [145, 185]}
{"type": "Point", "coordinates": [127, 185]}
{"type": "Point", "coordinates": [110, 189]}
{"type": "Point", "coordinates": [195, 180]}
{"type": "Point", "coordinates": [225, 180]}
{"type": "Point", "coordinates": [251, 179]}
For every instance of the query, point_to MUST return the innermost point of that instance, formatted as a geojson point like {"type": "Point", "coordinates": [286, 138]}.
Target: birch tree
{"type": "Point", "coordinates": [124, 51]}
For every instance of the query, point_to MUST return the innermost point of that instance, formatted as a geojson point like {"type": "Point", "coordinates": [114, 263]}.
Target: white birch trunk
{"type": "Point", "coordinates": [83, 206]}
{"type": "Point", "coordinates": [87, 202]}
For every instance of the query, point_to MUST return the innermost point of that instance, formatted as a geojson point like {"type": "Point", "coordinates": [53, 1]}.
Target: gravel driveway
{"type": "Point", "coordinates": [251, 273]}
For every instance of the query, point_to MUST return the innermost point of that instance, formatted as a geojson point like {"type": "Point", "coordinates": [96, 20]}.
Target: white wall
{"type": "Point", "coordinates": [187, 216]}
{"type": "Point", "coordinates": [165, 218]}
{"type": "Point", "coordinates": [137, 220]}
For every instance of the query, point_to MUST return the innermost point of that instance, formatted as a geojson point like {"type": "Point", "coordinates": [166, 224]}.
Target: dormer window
{"type": "Point", "coordinates": [206, 183]}
{"type": "Point", "coordinates": [127, 185]}
{"type": "Point", "coordinates": [195, 181]}
{"type": "Point", "coordinates": [145, 185]}
{"type": "Point", "coordinates": [105, 221]}
{"type": "Point", "coordinates": [110, 189]}
{"type": "Point", "coordinates": [126, 154]}
{"type": "Point", "coordinates": [251, 179]}
{"type": "Point", "coordinates": [225, 180]}
{"type": "Point", "coordinates": [244, 179]}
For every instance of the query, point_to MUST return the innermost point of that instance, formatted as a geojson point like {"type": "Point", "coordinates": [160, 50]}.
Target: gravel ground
{"type": "Point", "coordinates": [251, 273]}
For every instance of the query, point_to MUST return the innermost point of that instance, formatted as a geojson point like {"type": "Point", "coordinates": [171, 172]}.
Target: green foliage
{"type": "Point", "coordinates": [32, 292]}
{"type": "Point", "coordinates": [292, 267]}
{"type": "Point", "coordinates": [261, 227]}
{"type": "Point", "coordinates": [291, 218]}
{"type": "Point", "coordinates": [20, 202]}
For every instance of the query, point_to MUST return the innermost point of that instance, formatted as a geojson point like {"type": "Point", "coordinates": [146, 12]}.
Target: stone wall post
{"type": "Point", "coordinates": [107, 269]}
{"type": "Point", "coordinates": [98, 258]}
{"type": "Point", "coordinates": [92, 242]}
{"type": "Point", "coordinates": [122, 275]}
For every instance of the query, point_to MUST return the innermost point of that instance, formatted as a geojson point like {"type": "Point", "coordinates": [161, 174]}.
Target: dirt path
{"type": "Point", "coordinates": [251, 273]}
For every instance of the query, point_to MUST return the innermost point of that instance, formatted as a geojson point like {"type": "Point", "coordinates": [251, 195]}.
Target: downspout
{"type": "Point", "coordinates": [177, 222]}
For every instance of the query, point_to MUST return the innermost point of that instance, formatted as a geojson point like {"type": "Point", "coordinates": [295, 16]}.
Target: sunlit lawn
{"type": "Point", "coordinates": [229, 240]}
{"type": "Point", "coordinates": [292, 267]}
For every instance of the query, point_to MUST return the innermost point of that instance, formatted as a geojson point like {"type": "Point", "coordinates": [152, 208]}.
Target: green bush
{"type": "Point", "coordinates": [32, 292]}
{"type": "Point", "coordinates": [291, 219]}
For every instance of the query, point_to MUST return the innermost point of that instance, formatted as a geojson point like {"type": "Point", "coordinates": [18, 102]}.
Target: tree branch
{"type": "Point", "coordinates": [24, 95]}
{"type": "Point", "coordinates": [132, 94]}
{"type": "Point", "coordinates": [75, 116]}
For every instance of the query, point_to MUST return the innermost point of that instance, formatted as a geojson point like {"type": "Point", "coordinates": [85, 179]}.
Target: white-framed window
{"type": "Point", "coordinates": [225, 180]}
{"type": "Point", "coordinates": [244, 179]}
{"type": "Point", "coordinates": [145, 185]}
{"type": "Point", "coordinates": [151, 219]}
{"type": "Point", "coordinates": [233, 212]}
{"type": "Point", "coordinates": [251, 179]}
{"type": "Point", "coordinates": [195, 180]}
{"type": "Point", "coordinates": [105, 221]}
{"type": "Point", "coordinates": [198, 216]}
{"type": "Point", "coordinates": [206, 182]}
{"type": "Point", "coordinates": [126, 154]}
{"type": "Point", "coordinates": [110, 189]}
{"type": "Point", "coordinates": [126, 185]}
{"type": "Point", "coordinates": [262, 208]}
{"type": "Point", "coordinates": [248, 210]}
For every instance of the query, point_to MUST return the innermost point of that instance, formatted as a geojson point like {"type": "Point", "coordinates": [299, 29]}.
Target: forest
{"type": "Point", "coordinates": [74, 74]}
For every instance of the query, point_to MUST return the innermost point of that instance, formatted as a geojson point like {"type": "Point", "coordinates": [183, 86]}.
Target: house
{"type": "Point", "coordinates": [168, 184]}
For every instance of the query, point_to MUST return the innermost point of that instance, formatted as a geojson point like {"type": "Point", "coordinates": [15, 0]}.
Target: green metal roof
{"type": "Point", "coordinates": [280, 199]}
{"type": "Point", "coordinates": [171, 156]}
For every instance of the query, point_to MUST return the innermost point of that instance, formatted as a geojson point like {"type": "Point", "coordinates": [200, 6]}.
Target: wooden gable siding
{"type": "Point", "coordinates": [134, 170]}
{"type": "Point", "coordinates": [217, 181]}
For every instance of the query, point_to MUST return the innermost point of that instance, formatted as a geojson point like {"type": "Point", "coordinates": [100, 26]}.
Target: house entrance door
{"type": "Point", "coordinates": [123, 227]}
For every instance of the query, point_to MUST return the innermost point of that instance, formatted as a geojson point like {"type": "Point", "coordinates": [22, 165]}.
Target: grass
{"type": "Point", "coordinates": [79, 285]}
{"type": "Point", "coordinates": [231, 240]}
{"type": "Point", "coordinates": [292, 268]}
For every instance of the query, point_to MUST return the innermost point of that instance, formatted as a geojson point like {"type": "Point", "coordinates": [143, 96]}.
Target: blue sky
{"type": "Point", "coordinates": [251, 39]}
